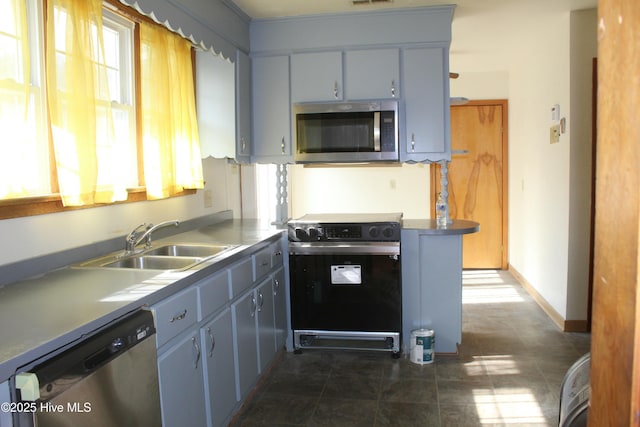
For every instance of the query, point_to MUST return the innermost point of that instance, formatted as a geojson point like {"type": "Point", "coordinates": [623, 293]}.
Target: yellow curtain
{"type": "Point", "coordinates": [171, 144]}
{"type": "Point", "coordinates": [17, 168]}
{"type": "Point", "coordinates": [79, 104]}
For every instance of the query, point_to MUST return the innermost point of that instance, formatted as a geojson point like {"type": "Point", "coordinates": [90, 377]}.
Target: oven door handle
{"type": "Point", "coordinates": [377, 248]}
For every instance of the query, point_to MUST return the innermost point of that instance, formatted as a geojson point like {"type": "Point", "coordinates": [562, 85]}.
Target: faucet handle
{"type": "Point", "coordinates": [138, 229]}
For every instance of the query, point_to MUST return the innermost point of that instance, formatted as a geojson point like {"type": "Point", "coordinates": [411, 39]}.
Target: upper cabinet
{"type": "Point", "coordinates": [372, 74]}
{"type": "Point", "coordinates": [215, 104]}
{"type": "Point", "coordinates": [316, 77]}
{"type": "Point", "coordinates": [426, 106]}
{"type": "Point", "coordinates": [347, 57]}
{"type": "Point", "coordinates": [366, 74]}
{"type": "Point", "coordinates": [243, 107]}
{"type": "Point", "coordinates": [271, 129]}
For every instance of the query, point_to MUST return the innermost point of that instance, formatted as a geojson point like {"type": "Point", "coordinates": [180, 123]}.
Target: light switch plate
{"type": "Point", "coordinates": [554, 134]}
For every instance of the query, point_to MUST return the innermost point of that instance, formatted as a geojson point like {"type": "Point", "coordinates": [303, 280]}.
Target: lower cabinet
{"type": "Point", "coordinates": [280, 307]}
{"type": "Point", "coordinates": [265, 323]}
{"type": "Point", "coordinates": [182, 383]}
{"type": "Point", "coordinates": [219, 371]}
{"type": "Point", "coordinates": [216, 337]}
{"type": "Point", "coordinates": [245, 343]}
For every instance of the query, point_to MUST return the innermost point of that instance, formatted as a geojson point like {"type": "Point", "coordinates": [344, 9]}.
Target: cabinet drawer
{"type": "Point", "coordinates": [241, 276]}
{"type": "Point", "coordinates": [213, 293]}
{"type": "Point", "coordinates": [175, 314]}
{"type": "Point", "coordinates": [262, 262]}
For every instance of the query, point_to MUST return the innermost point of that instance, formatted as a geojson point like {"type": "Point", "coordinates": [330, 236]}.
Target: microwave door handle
{"type": "Point", "coordinates": [376, 131]}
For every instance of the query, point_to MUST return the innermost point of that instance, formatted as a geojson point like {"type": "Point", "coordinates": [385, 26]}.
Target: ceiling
{"type": "Point", "coordinates": [282, 8]}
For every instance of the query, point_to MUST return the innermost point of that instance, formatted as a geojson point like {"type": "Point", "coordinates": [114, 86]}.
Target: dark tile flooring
{"type": "Point", "coordinates": [508, 373]}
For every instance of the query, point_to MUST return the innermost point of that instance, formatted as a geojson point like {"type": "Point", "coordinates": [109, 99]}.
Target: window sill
{"type": "Point", "coordinates": [31, 206]}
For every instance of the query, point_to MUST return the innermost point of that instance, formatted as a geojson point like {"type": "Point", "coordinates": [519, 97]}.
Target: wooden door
{"type": "Point", "coordinates": [478, 180]}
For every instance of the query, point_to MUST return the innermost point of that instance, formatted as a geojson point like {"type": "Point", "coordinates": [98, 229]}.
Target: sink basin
{"type": "Point", "coordinates": [150, 262]}
{"type": "Point", "coordinates": [179, 250]}
{"type": "Point", "coordinates": [173, 256]}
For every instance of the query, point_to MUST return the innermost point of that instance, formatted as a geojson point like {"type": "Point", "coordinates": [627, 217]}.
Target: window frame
{"type": "Point", "coordinates": [52, 203]}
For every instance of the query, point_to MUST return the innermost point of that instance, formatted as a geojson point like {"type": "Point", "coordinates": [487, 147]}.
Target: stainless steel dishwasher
{"type": "Point", "coordinates": [108, 379]}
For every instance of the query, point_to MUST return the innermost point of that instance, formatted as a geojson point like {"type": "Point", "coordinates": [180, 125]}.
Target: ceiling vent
{"type": "Point", "coordinates": [360, 2]}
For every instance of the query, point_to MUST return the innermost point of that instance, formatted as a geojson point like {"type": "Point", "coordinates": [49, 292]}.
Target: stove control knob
{"type": "Point", "coordinates": [374, 232]}
{"type": "Point", "coordinates": [301, 235]}
{"type": "Point", "coordinates": [387, 232]}
{"type": "Point", "coordinates": [313, 234]}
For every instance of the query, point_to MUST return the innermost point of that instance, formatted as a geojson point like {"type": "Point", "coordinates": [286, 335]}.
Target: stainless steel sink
{"type": "Point", "coordinates": [150, 262]}
{"type": "Point", "coordinates": [173, 256]}
{"type": "Point", "coordinates": [181, 250]}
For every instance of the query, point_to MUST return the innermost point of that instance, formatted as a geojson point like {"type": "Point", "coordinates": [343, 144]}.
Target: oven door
{"type": "Point", "coordinates": [337, 287]}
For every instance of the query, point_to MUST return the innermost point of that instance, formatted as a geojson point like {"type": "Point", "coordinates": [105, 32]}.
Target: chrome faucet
{"type": "Point", "coordinates": [143, 232]}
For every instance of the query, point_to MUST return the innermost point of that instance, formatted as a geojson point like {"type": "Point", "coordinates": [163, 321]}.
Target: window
{"type": "Point", "coordinates": [91, 145]}
{"type": "Point", "coordinates": [24, 159]}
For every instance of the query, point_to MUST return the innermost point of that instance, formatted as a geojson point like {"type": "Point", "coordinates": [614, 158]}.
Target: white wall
{"type": "Point", "coordinates": [583, 49]}
{"type": "Point", "coordinates": [525, 56]}
{"type": "Point", "coordinates": [366, 189]}
{"type": "Point", "coordinates": [28, 237]}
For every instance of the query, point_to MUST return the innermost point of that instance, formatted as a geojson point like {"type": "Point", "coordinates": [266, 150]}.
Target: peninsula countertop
{"type": "Point", "coordinates": [429, 226]}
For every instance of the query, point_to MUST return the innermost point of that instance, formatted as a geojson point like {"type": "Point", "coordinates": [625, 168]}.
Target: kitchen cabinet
{"type": "Point", "coordinates": [243, 107]}
{"type": "Point", "coordinates": [216, 105]}
{"type": "Point", "coordinates": [219, 371]}
{"type": "Point", "coordinates": [280, 307]}
{"type": "Point", "coordinates": [217, 336]}
{"type": "Point", "coordinates": [372, 74]}
{"type": "Point", "coordinates": [182, 383]}
{"type": "Point", "coordinates": [245, 343]}
{"type": "Point", "coordinates": [316, 76]}
{"type": "Point", "coordinates": [271, 130]}
{"type": "Point", "coordinates": [265, 323]}
{"type": "Point", "coordinates": [175, 314]}
{"type": "Point", "coordinates": [432, 286]}
{"type": "Point", "coordinates": [425, 91]}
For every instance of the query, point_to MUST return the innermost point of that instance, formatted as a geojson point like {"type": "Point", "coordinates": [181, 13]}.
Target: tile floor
{"type": "Point", "coordinates": [508, 373]}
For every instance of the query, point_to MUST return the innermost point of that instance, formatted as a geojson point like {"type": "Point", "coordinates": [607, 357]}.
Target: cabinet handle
{"type": "Point", "coordinates": [252, 306]}
{"type": "Point", "coordinates": [335, 89]}
{"type": "Point", "coordinates": [282, 146]}
{"type": "Point", "coordinates": [413, 142]}
{"type": "Point", "coordinates": [213, 342]}
{"type": "Point", "coordinates": [393, 88]}
{"type": "Point", "coordinates": [261, 299]}
{"type": "Point", "coordinates": [178, 316]}
{"type": "Point", "coordinates": [279, 253]}
{"type": "Point", "coordinates": [243, 144]}
{"type": "Point", "coordinates": [276, 287]}
{"type": "Point", "coordinates": [196, 347]}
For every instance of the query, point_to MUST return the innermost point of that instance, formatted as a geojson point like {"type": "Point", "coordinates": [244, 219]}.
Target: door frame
{"type": "Point", "coordinates": [435, 174]}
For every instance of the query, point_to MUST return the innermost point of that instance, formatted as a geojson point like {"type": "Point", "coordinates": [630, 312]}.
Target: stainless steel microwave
{"type": "Point", "coordinates": [342, 132]}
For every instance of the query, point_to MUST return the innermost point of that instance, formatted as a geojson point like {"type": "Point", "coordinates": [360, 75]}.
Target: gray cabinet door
{"type": "Point", "coordinates": [265, 323]}
{"type": "Point", "coordinates": [243, 107]}
{"type": "Point", "coordinates": [372, 74]}
{"type": "Point", "coordinates": [220, 379]}
{"type": "Point", "coordinates": [426, 95]}
{"type": "Point", "coordinates": [432, 287]}
{"type": "Point", "coordinates": [271, 132]}
{"type": "Point", "coordinates": [316, 76]}
{"type": "Point", "coordinates": [245, 343]}
{"type": "Point", "coordinates": [182, 383]}
{"type": "Point", "coordinates": [280, 307]}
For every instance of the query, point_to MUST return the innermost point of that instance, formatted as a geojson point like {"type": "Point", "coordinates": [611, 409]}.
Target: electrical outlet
{"type": "Point", "coordinates": [554, 134]}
